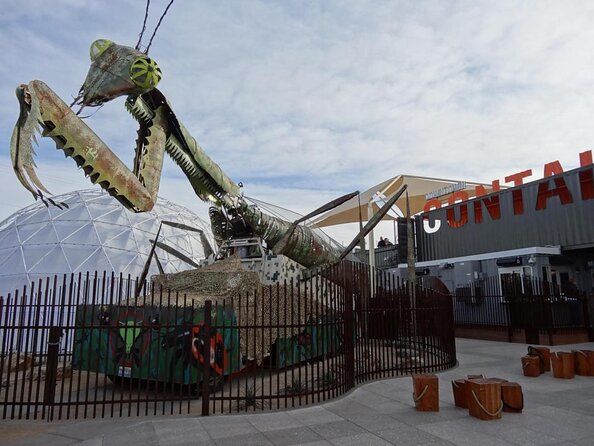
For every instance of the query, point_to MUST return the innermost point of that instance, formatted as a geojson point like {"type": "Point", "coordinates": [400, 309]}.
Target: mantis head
{"type": "Point", "coordinates": [115, 71]}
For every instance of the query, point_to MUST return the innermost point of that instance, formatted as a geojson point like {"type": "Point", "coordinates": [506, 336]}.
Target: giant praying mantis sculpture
{"type": "Point", "coordinates": [116, 71]}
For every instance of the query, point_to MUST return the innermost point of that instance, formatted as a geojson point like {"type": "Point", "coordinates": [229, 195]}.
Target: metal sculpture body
{"type": "Point", "coordinates": [116, 71]}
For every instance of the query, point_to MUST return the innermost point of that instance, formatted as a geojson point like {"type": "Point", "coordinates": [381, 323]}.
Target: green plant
{"type": "Point", "coordinates": [327, 379]}
{"type": "Point", "coordinates": [296, 387]}
{"type": "Point", "coordinates": [249, 399]}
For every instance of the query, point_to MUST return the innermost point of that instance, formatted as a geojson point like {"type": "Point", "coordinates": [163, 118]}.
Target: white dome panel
{"type": "Point", "coordinates": [76, 212]}
{"type": "Point", "coordinates": [45, 259]}
{"type": "Point", "coordinates": [38, 215]}
{"type": "Point", "coordinates": [113, 216]}
{"type": "Point", "coordinates": [37, 234]}
{"type": "Point", "coordinates": [85, 235]}
{"type": "Point", "coordinates": [97, 261]}
{"type": "Point", "coordinates": [9, 238]}
{"type": "Point", "coordinates": [11, 262]}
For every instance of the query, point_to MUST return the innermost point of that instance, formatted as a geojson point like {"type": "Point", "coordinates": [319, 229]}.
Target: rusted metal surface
{"type": "Point", "coordinates": [80, 143]}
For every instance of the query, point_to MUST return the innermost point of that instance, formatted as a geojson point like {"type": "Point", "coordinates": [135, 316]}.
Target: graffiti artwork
{"type": "Point", "coordinates": [320, 337]}
{"type": "Point", "coordinates": [161, 344]}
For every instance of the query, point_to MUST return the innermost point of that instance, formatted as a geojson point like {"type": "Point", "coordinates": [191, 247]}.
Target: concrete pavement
{"type": "Point", "coordinates": [557, 412]}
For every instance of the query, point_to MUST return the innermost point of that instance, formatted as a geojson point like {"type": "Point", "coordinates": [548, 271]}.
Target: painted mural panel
{"type": "Point", "coordinates": [320, 337]}
{"type": "Point", "coordinates": [154, 343]}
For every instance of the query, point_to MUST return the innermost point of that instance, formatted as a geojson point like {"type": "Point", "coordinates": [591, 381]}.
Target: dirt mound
{"type": "Point", "coordinates": [256, 305]}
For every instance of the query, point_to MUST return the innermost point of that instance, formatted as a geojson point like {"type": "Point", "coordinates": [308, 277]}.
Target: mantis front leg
{"type": "Point", "coordinates": [137, 190]}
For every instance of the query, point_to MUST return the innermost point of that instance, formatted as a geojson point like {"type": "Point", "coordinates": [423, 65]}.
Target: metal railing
{"type": "Point", "coordinates": [385, 257]}
{"type": "Point", "coordinates": [83, 346]}
{"type": "Point", "coordinates": [521, 303]}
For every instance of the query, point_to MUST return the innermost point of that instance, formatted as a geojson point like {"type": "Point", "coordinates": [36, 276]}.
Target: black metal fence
{"type": "Point", "coordinates": [83, 346]}
{"type": "Point", "coordinates": [385, 257]}
{"type": "Point", "coordinates": [514, 302]}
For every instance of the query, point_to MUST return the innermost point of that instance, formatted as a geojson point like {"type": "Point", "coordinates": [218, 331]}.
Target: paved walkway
{"type": "Point", "coordinates": [557, 412]}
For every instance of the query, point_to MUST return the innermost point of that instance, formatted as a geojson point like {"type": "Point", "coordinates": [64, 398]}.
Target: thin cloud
{"type": "Point", "coordinates": [323, 98]}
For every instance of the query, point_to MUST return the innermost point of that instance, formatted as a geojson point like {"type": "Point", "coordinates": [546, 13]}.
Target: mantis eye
{"type": "Point", "coordinates": [145, 73]}
{"type": "Point", "coordinates": [98, 47]}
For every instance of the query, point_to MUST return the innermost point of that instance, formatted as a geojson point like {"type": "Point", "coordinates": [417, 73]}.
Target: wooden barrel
{"type": "Point", "coordinates": [512, 397]}
{"type": "Point", "coordinates": [484, 399]}
{"type": "Point", "coordinates": [544, 354]}
{"type": "Point", "coordinates": [531, 366]}
{"type": "Point", "coordinates": [460, 389]}
{"type": "Point", "coordinates": [563, 365]}
{"type": "Point", "coordinates": [426, 393]}
{"type": "Point", "coordinates": [584, 362]}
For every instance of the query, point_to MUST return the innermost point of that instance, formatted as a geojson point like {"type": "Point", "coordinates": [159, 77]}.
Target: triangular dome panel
{"type": "Point", "coordinates": [9, 238]}
{"type": "Point", "coordinates": [13, 285]}
{"type": "Point", "coordinates": [116, 215]}
{"type": "Point", "coordinates": [11, 261]}
{"type": "Point", "coordinates": [39, 260]}
{"type": "Point", "coordinates": [126, 259]}
{"type": "Point", "coordinates": [77, 212]}
{"type": "Point", "coordinates": [76, 255]}
{"type": "Point", "coordinates": [55, 212]}
{"type": "Point", "coordinates": [37, 214]}
{"type": "Point", "coordinates": [44, 235]}
{"type": "Point", "coordinates": [124, 241]}
{"type": "Point", "coordinates": [26, 231]}
{"type": "Point", "coordinates": [64, 228]}
{"type": "Point", "coordinates": [97, 261]}
{"type": "Point", "coordinates": [143, 240]}
{"type": "Point", "coordinates": [85, 235]}
{"type": "Point", "coordinates": [116, 236]}
{"type": "Point", "coordinates": [149, 223]}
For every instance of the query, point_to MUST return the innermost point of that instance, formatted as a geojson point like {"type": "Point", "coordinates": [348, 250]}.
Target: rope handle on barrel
{"type": "Point", "coordinates": [494, 414]}
{"type": "Point", "coordinates": [582, 352]}
{"type": "Point", "coordinates": [454, 384]}
{"type": "Point", "coordinates": [415, 399]}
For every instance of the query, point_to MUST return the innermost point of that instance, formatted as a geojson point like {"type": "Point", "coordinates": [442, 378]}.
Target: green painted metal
{"type": "Point", "coordinates": [320, 337]}
{"type": "Point", "coordinates": [152, 343]}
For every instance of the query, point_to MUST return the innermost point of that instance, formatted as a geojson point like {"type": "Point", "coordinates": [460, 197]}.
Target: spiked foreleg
{"type": "Point", "coordinates": [21, 147]}
{"type": "Point", "coordinates": [150, 150]}
{"type": "Point", "coordinates": [79, 142]}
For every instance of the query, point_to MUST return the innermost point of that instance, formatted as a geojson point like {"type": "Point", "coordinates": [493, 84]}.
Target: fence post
{"type": "Point", "coordinates": [587, 321]}
{"type": "Point", "coordinates": [510, 329]}
{"type": "Point", "coordinates": [51, 373]}
{"type": "Point", "coordinates": [349, 346]}
{"type": "Point", "coordinates": [547, 319]}
{"type": "Point", "coordinates": [206, 329]}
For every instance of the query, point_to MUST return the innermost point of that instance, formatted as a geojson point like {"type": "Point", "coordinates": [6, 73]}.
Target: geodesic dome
{"type": "Point", "coordinates": [95, 233]}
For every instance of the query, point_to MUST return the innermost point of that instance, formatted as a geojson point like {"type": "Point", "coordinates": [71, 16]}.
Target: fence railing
{"type": "Point", "coordinates": [515, 302]}
{"type": "Point", "coordinates": [84, 346]}
{"type": "Point", "coordinates": [385, 257]}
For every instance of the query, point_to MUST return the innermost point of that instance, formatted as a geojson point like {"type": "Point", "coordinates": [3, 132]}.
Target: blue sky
{"type": "Point", "coordinates": [304, 101]}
